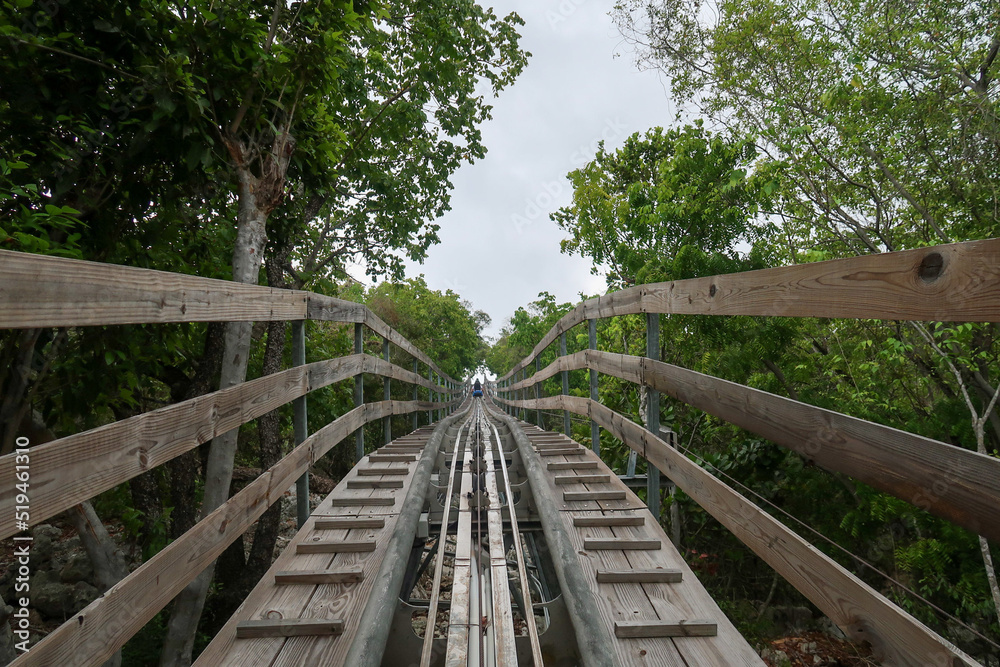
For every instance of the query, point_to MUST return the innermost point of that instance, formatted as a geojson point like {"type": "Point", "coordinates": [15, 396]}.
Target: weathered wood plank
{"type": "Point", "coordinates": [335, 546]}
{"type": "Point", "coordinates": [665, 629]}
{"type": "Point", "coordinates": [361, 502]}
{"type": "Point", "coordinates": [346, 523]}
{"type": "Point", "coordinates": [391, 458]}
{"type": "Point", "coordinates": [654, 576]}
{"type": "Point", "coordinates": [568, 451]}
{"type": "Point", "coordinates": [596, 544]}
{"type": "Point", "coordinates": [572, 465]}
{"type": "Point", "coordinates": [288, 627]}
{"type": "Point", "coordinates": [341, 576]}
{"type": "Point", "coordinates": [378, 471]}
{"type": "Point", "coordinates": [593, 495]}
{"type": "Point", "coordinates": [609, 520]}
{"type": "Point", "coordinates": [374, 483]}
{"type": "Point", "coordinates": [44, 291]}
{"type": "Point", "coordinates": [582, 479]}
{"type": "Point", "coordinates": [959, 282]}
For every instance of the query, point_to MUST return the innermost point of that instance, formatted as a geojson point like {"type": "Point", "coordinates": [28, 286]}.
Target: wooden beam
{"type": "Point", "coordinates": [958, 282]}
{"type": "Point", "coordinates": [642, 629]}
{"type": "Point", "coordinates": [391, 458]}
{"type": "Point", "coordinates": [651, 576]}
{"type": "Point", "coordinates": [593, 495]}
{"type": "Point", "coordinates": [350, 575]}
{"type": "Point", "coordinates": [288, 627]}
{"type": "Point", "coordinates": [362, 502]}
{"type": "Point", "coordinates": [582, 479]}
{"type": "Point", "coordinates": [618, 543]}
{"type": "Point", "coordinates": [346, 523]}
{"type": "Point", "coordinates": [572, 465]}
{"type": "Point", "coordinates": [609, 520]}
{"type": "Point", "coordinates": [375, 472]}
{"type": "Point", "coordinates": [335, 546]}
{"type": "Point", "coordinates": [45, 291]}
{"type": "Point", "coordinates": [374, 483]}
{"type": "Point", "coordinates": [569, 451]}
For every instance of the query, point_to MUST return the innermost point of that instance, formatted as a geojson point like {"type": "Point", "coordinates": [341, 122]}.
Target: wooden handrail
{"type": "Point", "coordinates": [76, 468]}
{"type": "Point", "coordinates": [94, 634]}
{"type": "Point", "coordinates": [44, 291]}
{"type": "Point", "coordinates": [958, 282]}
{"type": "Point", "coordinates": [958, 484]}
{"type": "Point", "coordinates": [862, 612]}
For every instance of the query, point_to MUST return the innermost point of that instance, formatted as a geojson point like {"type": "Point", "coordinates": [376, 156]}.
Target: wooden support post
{"type": "Point", "coordinates": [538, 390]}
{"type": "Point", "coordinates": [653, 415]}
{"type": "Point", "coordinates": [300, 423]}
{"type": "Point", "coordinates": [416, 396]}
{"type": "Point", "coordinates": [386, 395]}
{"type": "Point", "coordinates": [359, 391]}
{"type": "Point", "coordinates": [565, 383]}
{"type": "Point", "coordinates": [595, 431]}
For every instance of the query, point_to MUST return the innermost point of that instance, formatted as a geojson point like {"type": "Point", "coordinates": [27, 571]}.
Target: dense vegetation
{"type": "Point", "coordinates": [270, 143]}
{"type": "Point", "coordinates": [840, 128]}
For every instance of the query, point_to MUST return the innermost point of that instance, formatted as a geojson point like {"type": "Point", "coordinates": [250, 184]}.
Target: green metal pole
{"type": "Point", "coordinates": [653, 414]}
{"type": "Point", "coordinates": [300, 423]}
{"type": "Point", "coordinates": [416, 397]}
{"type": "Point", "coordinates": [595, 431]}
{"type": "Point", "coordinates": [565, 383]}
{"type": "Point", "coordinates": [538, 389]}
{"type": "Point", "coordinates": [386, 395]}
{"type": "Point", "coordinates": [359, 392]}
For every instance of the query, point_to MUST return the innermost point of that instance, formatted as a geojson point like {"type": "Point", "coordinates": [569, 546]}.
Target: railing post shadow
{"type": "Point", "coordinates": [300, 423]}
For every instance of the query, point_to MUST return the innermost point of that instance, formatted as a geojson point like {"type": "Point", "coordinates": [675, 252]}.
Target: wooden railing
{"type": "Point", "coordinates": [957, 282]}
{"type": "Point", "coordinates": [39, 291]}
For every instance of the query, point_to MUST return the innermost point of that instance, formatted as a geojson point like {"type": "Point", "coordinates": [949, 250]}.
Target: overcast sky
{"type": "Point", "coordinates": [498, 247]}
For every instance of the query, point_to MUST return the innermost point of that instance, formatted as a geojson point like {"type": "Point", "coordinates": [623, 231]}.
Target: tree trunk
{"type": "Point", "coordinates": [257, 198]}
{"type": "Point", "coordinates": [146, 498]}
{"type": "Point", "coordinates": [184, 468]}
{"type": "Point", "coordinates": [107, 559]}
{"type": "Point", "coordinates": [13, 407]}
{"type": "Point", "coordinates": [241, 573]}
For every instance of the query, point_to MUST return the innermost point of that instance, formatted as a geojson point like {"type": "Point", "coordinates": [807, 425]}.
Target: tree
{"type": "Point", "coordinates": [337, 123]}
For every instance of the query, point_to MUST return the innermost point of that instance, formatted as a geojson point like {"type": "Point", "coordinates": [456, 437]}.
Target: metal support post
{"type": "Point", "coordinates": [300, 423]}
{"type": "Point", "coordinates": [565, 384]}
{"type": "Point", "coordinates": [538, 410]}
{"type": "Point", "coordinates": [595, 431]}
{"type": "Point", "coordinates": [416, 397]}
{"type": "Point", "coordinates": [430, 395]}
{"type": "Point", "coordinates": [359, 391]}
{"type": "Point", "coordinates": [386, 395]}
{"type": "Point", "coordinates": [653, 414]}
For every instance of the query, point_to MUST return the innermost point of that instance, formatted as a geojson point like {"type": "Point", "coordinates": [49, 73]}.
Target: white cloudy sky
{"type": "Point", "coordinates": [498, 247]}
